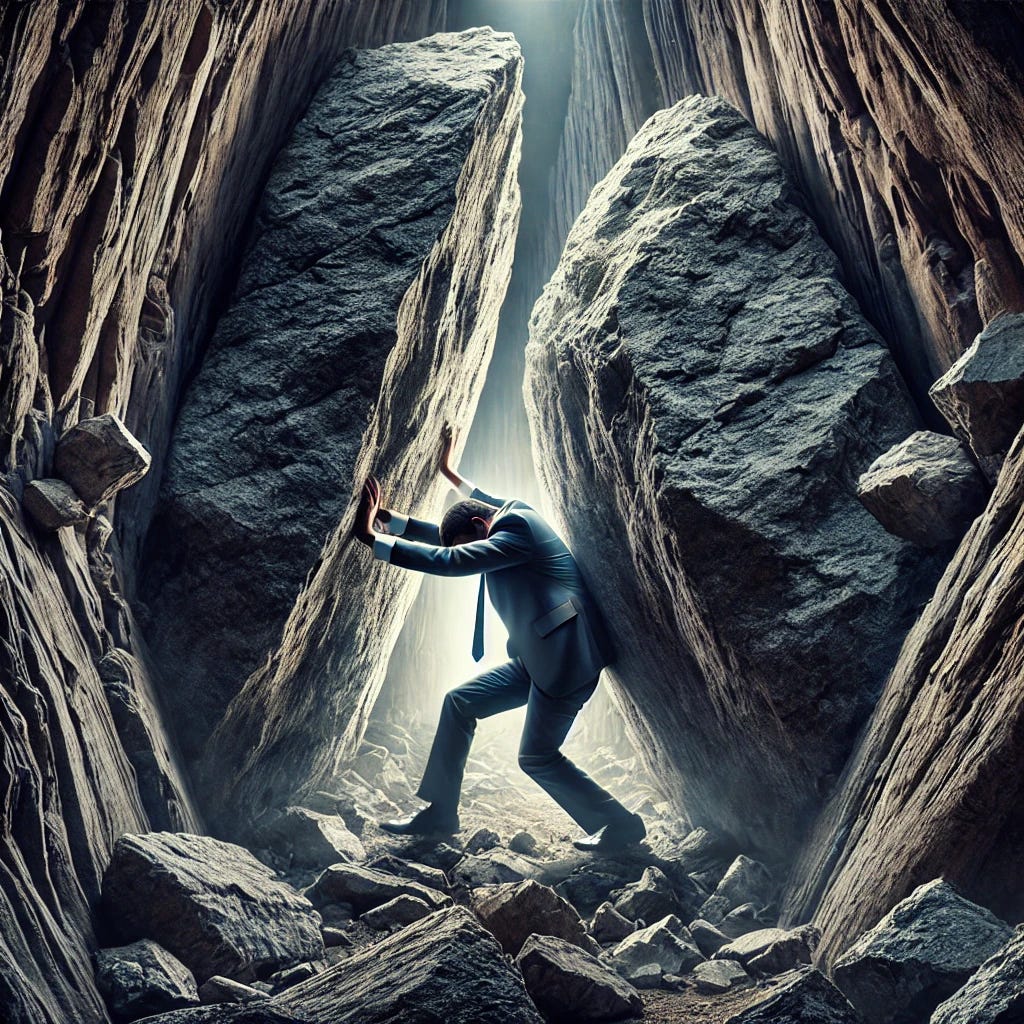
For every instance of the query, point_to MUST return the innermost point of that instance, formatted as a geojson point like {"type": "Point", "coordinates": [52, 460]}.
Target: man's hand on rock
{"type": "Point", "coordinates": [368, 511]}
{"type": "Point", "coordinates": [444, 459]}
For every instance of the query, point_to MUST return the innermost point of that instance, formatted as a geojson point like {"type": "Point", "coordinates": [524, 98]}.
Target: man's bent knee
{"type": "Point", "coordinates": [534, 764]}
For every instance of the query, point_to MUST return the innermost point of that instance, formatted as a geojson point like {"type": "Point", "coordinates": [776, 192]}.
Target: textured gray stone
{"type": "Point", "coordinates": [703, 395]}
{"type": "Point", "coordinates": [665, 943]}
{"type": "Point", "coordinates": [919, 954]}
{"type": "Point", "coordinates": [709, 939]}
{"type": "Point", "coordinates": [363, 318]}
{"type": "Point", "coordinates": [926, 489]}
{"type": "Point", "coordinates": [210, 903]}
{"type": "Point", "coordinates": [745, 881]}
{"type": "Point", "coordinates": [99, 457]}
{"type": "Point", "coordinates": [223, 990]}
{"type": "Point", "coordinates": [492, 867]}
{"type": "Point", "coordinates": [609, 925]}
{"type": "Point", "coordinates": [397, 912]}
{"type": "Point", "coordinates": [143, 978]}
{"type": "Point", "coordinates": [794, 948]}
{"type": "Point", "coordinates": [567, 983]}
{"type": "Point", "coordinates": [365, 888]}
{"type": "Point", "coordinates": [720, 976]}
{"type": "Point", "coordinates": [307, 838]}
{"type": "Point", "coordinates": [994, 994]}
{"type": "Point", "coordinates": [808, 997]}
{"type": "Point", "coordinates": [515, 910]}
{"type": "Point", "coordinates": [52, 504]}
{"type": "Point", "coordinates": [982, 394]}
{"type": "Point", "coordinates": [650, 897]}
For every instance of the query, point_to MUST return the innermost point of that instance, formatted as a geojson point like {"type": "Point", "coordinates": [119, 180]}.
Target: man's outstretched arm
{"type": "Point", "coordinates": [507, 546]}
{"type": "Point", "coordinates": [465, 487]}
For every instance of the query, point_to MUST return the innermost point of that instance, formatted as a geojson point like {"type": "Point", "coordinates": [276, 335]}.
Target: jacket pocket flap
{"type": "Point", "coordinates": [554, 618]}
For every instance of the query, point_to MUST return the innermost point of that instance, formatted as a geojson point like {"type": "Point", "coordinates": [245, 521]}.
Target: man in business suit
{"type": "Point", "coordinates": [556, 644]}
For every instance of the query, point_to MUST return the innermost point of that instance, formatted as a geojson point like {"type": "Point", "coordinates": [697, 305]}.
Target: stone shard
{"type": "Point", "coordinates": [492, 867]}
{"type": "Point", "coordinates": [363, 319]}
{"type": "Point", "coordinates": [99, 457]}
{"type": "Point", "coordinates": [927, 793]}
{"type": "Point", "coordinates": [651, 897]}
{"type": "Point", "coordinates": [703, 395]}
{"type": "Point", "coordinates": [365, 888]}
{"type": "Point", "coordinates": [994, 994]}
{"type": "Point", "coordinates": [53, 503]}
{"type": "Point", "coordinates": [926, 489]}
{"type": "Point", "coordinates": [397, 912]}
{"type": "Point", "coordinates": [715, 976]}
{"type": "Point", "coordinates": [919, 954]}
{"type": "Point", "coordinates": [982, 394]}
{"type": "Point", "coordinates": [515, 910]}
{"type": "Point", "coordinates": [567, 983]}
{"type": "Point", "coordinates": [745, 881]}
{"type": "Point", "coordinates": [609, 925]}
{"type": "Point", "coordinates": [143, 978]}
{"type": "Point", "coordinates": [665, 943]}
{"type": "Point", "coordinates": [709, 939]}
{"type": "Point", "coordinates": [805, 997]}
{"type": "Point", "coordinates": [223, 990]}
{"type": "Point", "coordinates": [210, 903]}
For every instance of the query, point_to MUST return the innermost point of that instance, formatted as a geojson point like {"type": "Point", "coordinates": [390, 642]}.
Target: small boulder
{"type": "Point", "coordinates": [808, 997]}
{"type": "Point", "coordinates": [223, 990]}
{"type": "Point", "coordinates": [715, 976]}
{"type": "Point", "coordinates": [708, 938]}
{"type": "Point", "coordinates": [523, 842]}
{"type": "Point", "coordinates": [397, 913]}
{"type": "Point", "coordinates": [364, 888]}
{"type": "Point", "coordinates": [306, 838]}
{"type": "Point", "coordinates": [100, 457]}
{"type": "Point", "coordinates": [515, 910]}
{"type": "Point", "coordinates": [650, 898]}
{"type": "Point", "coordinates": [926, 489]}
{"type": "Point", "coordinates": [745, 918]}
{"type": "Point", "coordinates": [792, 950]}
{"type": "Point", "coordinates": [431, 877]}
{"type": "Point", "coordinates": [746, 881]}
{"type": "Point", "coordinates": [492, 868]}
{"type": "Point", "coordinates": [919, 954]}
{"type": "Point", "coordinates": [210, 903]}
{"type": "Point", "coordinates": [609, 925]}
{"type": "Point", "coordinates": [52, 504]}
{"type": "Point", "coordinates": [666, 944]}
{"type": "Point", "coordinates": [481, 840]}
{"type": "Point", "coordinates": [994, 994]}
{"type": "Point", "coordinates": [142, 979]}
{"type": "Point", "coordinates": [567, 983]}
{"type": "Point", "coordinates": [981, 395]}
{"type": "Point", "coordinates": [281, 980]}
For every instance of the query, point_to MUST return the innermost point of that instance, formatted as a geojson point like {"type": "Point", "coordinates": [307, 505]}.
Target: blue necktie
{"type": "Point", "coordinates": [478, 629]}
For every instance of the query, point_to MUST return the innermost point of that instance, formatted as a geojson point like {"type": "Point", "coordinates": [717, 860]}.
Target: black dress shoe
{"type": "Point", "coordinates": [428, 822]}
{"type": "Point", "coordinates": [614, 836]}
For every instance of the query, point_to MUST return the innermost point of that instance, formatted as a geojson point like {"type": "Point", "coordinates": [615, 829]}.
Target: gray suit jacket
{"type": "Point", "coordinates": [535, 585]}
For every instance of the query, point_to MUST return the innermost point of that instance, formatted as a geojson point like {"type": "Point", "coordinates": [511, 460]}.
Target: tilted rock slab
{"type": "Point", "coordinates": [806, 996]}
{"type": "Point", "coordinates": [365, 888]}
{"type": "Point", "coordinates": [99, 457]}
{"type": "Point", "coordinates": [919, 954]}
{"type": "Point", "coordinates": [210, 903]}
{"type": "Point", "coordinates": [928, 791]}
{"type": "Point", "coordinates": [982, 394]}
{"type": "Point", "coordinates": [52, 504]}
{"type": "Point", "coordinates": [926, 489]}
{"type": "Point", "coordinates": [363, 320]}
{"type": "Point", "coordinates": [445, 967]}
{"type": "Point", "coordinates": [703, 395]}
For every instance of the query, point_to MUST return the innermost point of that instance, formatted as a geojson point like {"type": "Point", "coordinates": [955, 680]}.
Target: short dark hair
{"type": "Point", "coordinates": [459, 519]}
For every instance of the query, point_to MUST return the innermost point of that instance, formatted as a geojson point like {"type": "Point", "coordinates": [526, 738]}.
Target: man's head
{"type": "Point", "coordinates": [465, 521]}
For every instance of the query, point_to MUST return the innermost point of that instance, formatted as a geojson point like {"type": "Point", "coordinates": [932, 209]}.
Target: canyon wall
{"type": "Point", "coordinates": [134, 140]}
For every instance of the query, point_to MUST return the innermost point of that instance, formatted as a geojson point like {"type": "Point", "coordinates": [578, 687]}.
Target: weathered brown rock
{"type": "Point", "coordinates": [53, 503]}
{"type": "Point", "coordinates": [210, 903]}
{"type": "Point", "coordinates": [363, 319]}
{"type": "Point", "coordinates": [926, 489]}
{"type": "Point", "coordinates": [99, 457]}
{"type": "Point", "coordinates": [700, 433]}
{"type": "Point", "coordinates": [982, 394]}
{"type": "Point", "coordinates": [515, 910]}
{"type": "Point", "coordinates": [927, 791]}
{"type": "Point", "coordinates": [567, 983]}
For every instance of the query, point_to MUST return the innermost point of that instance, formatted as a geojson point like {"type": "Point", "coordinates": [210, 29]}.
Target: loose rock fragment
{"type": "Point", "coordinates": [720, 976]}
{"type": "Point", "coordinates": [400, 911]}
{"type": "Point", "coordinates": [807, 998]}
{"type": "Point", "coordinates": [143, 978]}
{"type": "Point", "coordinates": [609, 925]}
{"type": "Point", "coordinates": [513, 911]}
{"type": "Point", "coordinates": [365, 888]}
{"type": "Point", "coordinates": [223, 990]}
{"type": "Point", "coordinates": [666, 944]}
{"type": "Point", "coordinates": [307, 838]}
{"type": "Point", "coordinates": [100, 457]}
{"type": "Point", "coordinates": [650, 898]}
{"type": "Point", "coordinates": [994, 994]}
{"type": "Point", "coordinates": [52, 504]}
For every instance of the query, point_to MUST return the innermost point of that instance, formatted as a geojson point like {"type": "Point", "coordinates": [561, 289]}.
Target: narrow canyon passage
{"type": "Point", "coordinates": [731, 292]}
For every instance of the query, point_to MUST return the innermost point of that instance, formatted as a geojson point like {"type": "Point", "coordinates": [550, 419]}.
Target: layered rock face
{"type": "Point", "coordinates": [703, 396]}
{"type": "Point", "coordinates": [934, 787]}
{"type": "Point", "coordinates": [371, 291]}
{"type": "Point", "coordinates": [898, 121]}
{"type": "Point", "coordinates": [134, 139]}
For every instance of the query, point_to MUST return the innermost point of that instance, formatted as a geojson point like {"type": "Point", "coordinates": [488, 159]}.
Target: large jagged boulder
{"type": "Point", "coordinates": [363, 319]}
{"type": "Point", "coordinates": [210, 903]}
{"type": "Point", "coordinates": [929, 791]}
{"type": "Point", "coordinates": [803, 996]}
{"type": "Point", "coordinates": [443, 968]}
{"type": "Point", "coordinates": [703, 396]}
{"type": "Point", "coordinates": [919, 954]}
{"type": "Point", "coordinates": [994, 994]}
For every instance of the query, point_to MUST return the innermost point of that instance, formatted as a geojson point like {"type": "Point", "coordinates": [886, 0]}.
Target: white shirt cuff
{"type": "Point", "coordinates": [397, 524]}
{"type": "Point", "coordinates": [382, 545]}
{"type": "Point", "coordinates": [466, 488]}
